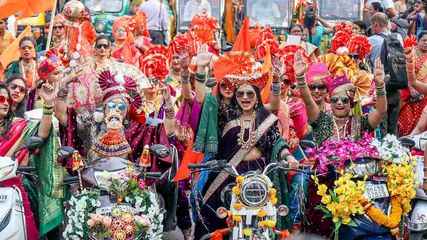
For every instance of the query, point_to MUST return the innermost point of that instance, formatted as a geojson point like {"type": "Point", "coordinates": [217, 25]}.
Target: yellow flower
{"type": "Point", "coordinates": [322, 189]}
{"type": "Point", "coordinates": [237, 218]}
{"type": "Point", "coordinates": [236, 190]}
{"type": "Point", "coordinates": [262, 213]}
{"type": "Point", "coordinates": [237, 206]}
{"type": "Point", "coordinates": [247, 232]}
{"type": "Point", "coordinates": [272, 192]}
{"type": "Point", "coordinates": [239, 180]}
{"type": "Point", "coordinates": [326, 199]}
{"type": "Point", "coordinates": [274, 201]}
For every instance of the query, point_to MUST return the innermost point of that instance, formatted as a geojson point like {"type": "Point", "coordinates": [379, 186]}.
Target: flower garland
{"type": "Point", "coordinates": [138, 217]}
{"type": "Point", "coordinates": [347, 199]}
{"type": "Point", "coordinates": [390, 149]}
{"type": "Point", "coordinates": [338, 152]}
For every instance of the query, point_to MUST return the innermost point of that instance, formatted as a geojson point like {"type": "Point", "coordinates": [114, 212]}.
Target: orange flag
{"type": "Point", "coordinates": [229, 21]}
{"type": "Point", "coordinates": [26, 8]}
{"type": "Point", "coordinates": [11, 53]}
{"type": "Point", "coordinates": [190, 156]}
{"type": "Point", "coordinates": [242, 41]}
{"type": "Point", "coordinates": [265, 93]}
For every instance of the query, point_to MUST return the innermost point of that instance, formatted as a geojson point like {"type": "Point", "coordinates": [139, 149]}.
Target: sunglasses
{"type": "Point", "coordinates": [354, 56]}
{"type": "Point", "coordinates": [100, 45]}
{"type": "Point", "coordinates": [14, 86]}
{"type": "Point", "coordinates": [225, 86]}
{"type": "Point", "coordinates": [249, 94]}
{"type": "Point", "coordinates": [120, 106]}
{"type": "Point", "coordinates": [317, 86]}
{"type": "Point", "coordinates": [57, 27]}
{"type": "Point", "coordinates": [345, 100]}
{"type": "Point", "coordinates": [3, 99]}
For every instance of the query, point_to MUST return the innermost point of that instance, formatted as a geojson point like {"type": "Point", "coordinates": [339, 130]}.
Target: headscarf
{"type": "Point", "coordinates": [359, 44]}
{"type": "Point", "coordinates": [342, 84]}
{"type": "Point", "coordinates": [47, 66]}
{"type": "Point", "coordinates": [318, 71]}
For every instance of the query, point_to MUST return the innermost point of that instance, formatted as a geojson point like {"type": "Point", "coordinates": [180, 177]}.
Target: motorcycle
{"type": "Point", "coordinates": [369, 170]}
{"type": "Point", "coordinates": [250, 202]}
{"type": "Point", "coordinates": [117, 202]}
{"type": "Point", "coordinates": [12, 215]}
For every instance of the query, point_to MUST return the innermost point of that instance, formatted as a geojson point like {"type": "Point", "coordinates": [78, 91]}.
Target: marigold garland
{"type": "Point", "coordinates": [379, 217]}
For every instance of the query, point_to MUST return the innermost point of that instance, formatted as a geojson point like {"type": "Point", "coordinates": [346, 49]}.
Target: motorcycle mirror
{"type": "Point", "coordinates": [33, 143]}
{"type": "Point", "coordinates": [282, 210]}
{"type": "Point", "coordinates": [65, 152]}
{"type": "Point", "coordinates": [307, 144]}
{"type": "Point", "coordinates": [159, 150]}
{"type": "Point", "coordinates": [407, 141]}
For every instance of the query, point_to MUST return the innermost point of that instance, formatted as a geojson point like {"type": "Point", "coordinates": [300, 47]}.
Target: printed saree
{"type": "Point", "coordinates": [49, 172]}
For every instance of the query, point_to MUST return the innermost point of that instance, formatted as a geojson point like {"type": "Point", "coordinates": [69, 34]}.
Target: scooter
{"type": "Point", "coordinates": [251, 202]}
{"type": "Point", "coordinates": [12, 214]}
{"type": "Point", "coordinates": [416, 221]}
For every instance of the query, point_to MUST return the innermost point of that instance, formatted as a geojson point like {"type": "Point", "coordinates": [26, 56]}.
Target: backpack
{"type": "Point", "coordinates": [394, 62]}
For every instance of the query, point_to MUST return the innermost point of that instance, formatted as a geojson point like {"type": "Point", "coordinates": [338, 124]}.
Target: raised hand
{"type": "Point", "coordinates": [277, 68]}
{"type": "Point", "coordinates": [204, 57]}
{"type": "Point", "coordinates": [48, 92]}
{"type": "Point", "coordinates": [409, 54]}
{"type": "Point", "coordinates": [184, 60]}
{"type": "Point", "coordinates": [379, 73]}
{"type": "Point", "coordinates": [300, 64]}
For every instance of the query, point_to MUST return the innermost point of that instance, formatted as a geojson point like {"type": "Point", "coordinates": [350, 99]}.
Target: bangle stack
{"type": "Point", "coordinates": [275, 89]}
{"type": "Point", "coordinates": [201, 78]}
{"type": "Point", "coordinates": [169, 112]}
{"type": "Point", "coordinates": [380, 90]}
{"type": "Point", "coordinates": [62, 93]}
{"type": "Point", "coordinates": [185, 79]}
{"type": "Point", "coordinates": [410, 67]}
{"type": "Point", "coordinates": [301, 81]}
{"type": "Point", "coordinates": [47, 109]}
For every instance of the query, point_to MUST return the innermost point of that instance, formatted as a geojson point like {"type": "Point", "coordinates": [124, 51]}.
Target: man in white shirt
{"type": "Point", "coordinates": [157, 21]}
{"type": "Point", "coordinates": [380, 23]}
{"type": "Point", "coordinates": [266, 12]}
{"type": "Point", "coordinates": [194, 7]}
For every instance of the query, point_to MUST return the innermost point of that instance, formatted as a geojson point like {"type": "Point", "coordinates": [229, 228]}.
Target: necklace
{"type": "Point", "coordinates": [1, 126]}
{"type": "Point", "coordinates": [26, 68]}
{"type": "Point", "coordinates": [252, 136]}
{"type": "Point", "coordinates": [340, 132]}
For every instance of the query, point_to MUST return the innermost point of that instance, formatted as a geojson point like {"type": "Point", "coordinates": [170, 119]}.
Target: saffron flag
{"type": "Point", "coordinates": [11, 53]}
{"type": "Point", "coordinates": [190, 156]}
{"type": "Point", "coordinates": [242, 41]}
{"type": "Point", "coordinates": [26, 8]}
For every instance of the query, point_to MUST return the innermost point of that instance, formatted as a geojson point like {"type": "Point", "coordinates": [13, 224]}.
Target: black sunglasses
{"type": "Point", "coordinates": [249, 94]}
{"type": "Point", "coordinates": [354, 56]}
{"type": "Point", "coordinates": [318, 86]}
{"type": "Point", "coordinates": [14, 86]}
{"type": "Point", "coordinates": [345, 100]}
{"type": "Point", "coordinates": [100, 45]}
{"type": "Point", "coordinates": [58, 27]}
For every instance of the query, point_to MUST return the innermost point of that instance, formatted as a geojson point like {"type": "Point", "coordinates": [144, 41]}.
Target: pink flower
{"type": "Point", "coordinates": [90, 223]}
{"type": "Point", "coordinates": [144, 220]}
{"type": "Point", "coordinates": [141, 184]}
{"type": "Point", "coordinates": [107, 221]}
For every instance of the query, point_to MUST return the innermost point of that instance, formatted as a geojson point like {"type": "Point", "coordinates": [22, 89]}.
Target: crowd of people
{"type": "Point", "coordinates": [250, 106]}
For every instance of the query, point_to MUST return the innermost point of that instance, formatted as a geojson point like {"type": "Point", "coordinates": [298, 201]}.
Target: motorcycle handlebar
{"type": "Point", "coordinates": [153, 175]}
{"type": "Point", "coordinates": [209, 164]}
{"type": "Point", "coordinates": [71, 179]}
{"type": "Point", "coordinates": [26, 169]}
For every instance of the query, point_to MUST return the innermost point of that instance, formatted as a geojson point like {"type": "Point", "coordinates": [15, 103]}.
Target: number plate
{"type": "Point", "coordinates": [375, 191]}
{"type": "Point", "coordinates": [3, 198]}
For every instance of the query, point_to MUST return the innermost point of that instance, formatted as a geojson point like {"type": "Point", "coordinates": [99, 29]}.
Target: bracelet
{"type": "Point", "coordinates": [299, 77]}
{"type": "Point", "coordinates": [302, 85]}
{"type": "Point", "coordinates": [286, 156]}
{"type": "Point", "coordinates": [185, 79]}
{"type": "Point", "coordinates": [48, 107]}
{"type": "Point", "coordinates": [381, 92]}
{"type": "Point", "coordinates": [201, 78]}
{"type": "Point", "coordinates": [47, 113]}
{"type": "Point", "coordinates": [275, 89]}
{"type": "Point", "coordinates": [169, 112]}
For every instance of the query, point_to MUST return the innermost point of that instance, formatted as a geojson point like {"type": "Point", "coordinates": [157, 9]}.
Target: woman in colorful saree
{"type": "Point", "coordinates": [14, 131]}
{"type": "Point", "coordinates": [249, 141]}
{"type": "Point", "coordinates": [340, 122]}
{"type": "Point", "coordinates": [413, 116]}
{"type": "Point", "coordinates": [18, 90]}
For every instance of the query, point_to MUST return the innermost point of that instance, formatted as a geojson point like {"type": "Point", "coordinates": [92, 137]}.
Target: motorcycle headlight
{"type": "Point", "coordinates": [100, 26]}
{"type": "Point", "coordinates": [254, 191]}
